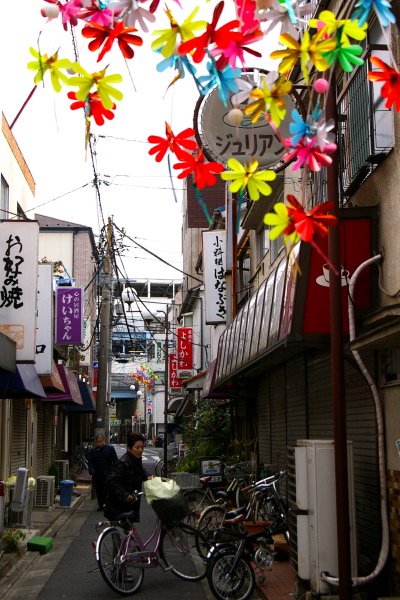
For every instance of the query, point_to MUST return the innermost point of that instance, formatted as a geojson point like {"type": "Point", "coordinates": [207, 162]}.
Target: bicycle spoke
{"type": "Point", "coordinates": [225, 583]}
{"type": "Point", "coordinates": [117, 563]}
{"type": "Point", "coordinates": [179, 550]}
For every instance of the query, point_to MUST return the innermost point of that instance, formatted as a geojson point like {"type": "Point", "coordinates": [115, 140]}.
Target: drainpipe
{"type": "Point", "coordinates": [380, 430]}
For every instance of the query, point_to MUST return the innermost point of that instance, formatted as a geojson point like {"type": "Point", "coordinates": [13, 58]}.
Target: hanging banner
{"type": "Point", "coordinates": [44, 330]}
{"type": "Point", "coordinates": [69, 315]}
{"type": "Point", "coordinates": [214, 267]}
{"type": "Point", "coordinates": [84, 359]}
{"type": "Point", "coordinates": [18, 285]}
{"type": "Point", "coordinates": [185, 352]}
{"type": "Point", "coordinates": [175, 384]}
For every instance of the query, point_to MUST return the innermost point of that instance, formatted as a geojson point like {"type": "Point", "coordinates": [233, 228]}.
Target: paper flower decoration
{"type": "Point", "coordinates": [310, 154]}
{"type": "Point", "coordinates": [108, 35]}
{"type": "Point", "coordinates": [225, 80]}
{"type": "Point", "coordinates": [49, 63]}
{"type": "Point", "coordinates": [167, 40]}
{"type": "Point", "coordinates": [270, 101]}
{"type": "Point", "coordinates": [100, 81]}
{"type": "Point", "coordinates": [391, 82]}
{"type": "Point", "coordinates": [174, 143]}
{"type": "Point", "coordinates": [203, 173]}
{"type": "Point", "coordinates": [248, 176]}
{"type": "Point", "coordinates": [347, 55]}
{"type": "Point", "coordinates": [222, 37]}
{"type": "Point", "coordinates": [308, 49]}
{"type": "Point", "coordinates": [348, 27]}
{"type": "Point", "coordinates": [381, 7]}
{"type": "Point", "coordinates": [295, 223]}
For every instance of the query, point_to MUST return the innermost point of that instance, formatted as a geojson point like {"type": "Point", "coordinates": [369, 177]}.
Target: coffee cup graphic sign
{"type": "Point", "coordinates": [323, 279]}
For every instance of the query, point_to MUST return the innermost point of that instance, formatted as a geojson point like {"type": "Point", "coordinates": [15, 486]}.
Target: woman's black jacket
{"type": "Point", "coordinates": [126, 477]}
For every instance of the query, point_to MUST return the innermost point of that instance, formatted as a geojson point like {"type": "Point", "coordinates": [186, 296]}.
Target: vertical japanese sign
{"type": "Point", "coordinates": [44, 331]}
{"type": "Point", "coordinates": [69, 315]}
{"type": "Point", "coordinates": [18, 285]}
{"type": "Point", "coordinates": [95, 377]}
{"type": "Point", "coordinates": [160, 357]}
{"type": "Point", "coordinates": [84, 360]}
{"type": "Point", "coordinates": [175, 384]}
{"type": "Point", "coordinates": [149, 405]}
{"type": "Point", "coordinates": [214, 267]}
{"type": "Point", "coordinates": [185, 352]}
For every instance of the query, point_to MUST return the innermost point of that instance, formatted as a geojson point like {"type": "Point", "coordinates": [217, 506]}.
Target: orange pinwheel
{"type": "Point", "coordinates": [108, 35]}
{"type": "Point", "coordinates": [172, 142]}
{"type": "Point", "coordinates": [311, 222]}
{"type": "Point", "coordinates": [222, 37]}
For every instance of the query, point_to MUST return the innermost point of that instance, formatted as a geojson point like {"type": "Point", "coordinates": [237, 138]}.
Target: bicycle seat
{"type": "Point", "coordinates": [225, 494]}
{"type": "Point", "coordinates": [204, 480]}
{"type": "Point", "coordinates": [233, 514]}
{"type": "Point", "coordinates": [128, 516]}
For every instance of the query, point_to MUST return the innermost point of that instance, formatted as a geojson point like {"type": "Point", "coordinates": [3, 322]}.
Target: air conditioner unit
{"type": "Point", "coordinates": [22, 518]}
{"type": "Point", "coordinates": [45, 491]}
{"type": "Point", "coordinates": [316, 496]}
{"type": "Point", "coordinates": [63, 469]}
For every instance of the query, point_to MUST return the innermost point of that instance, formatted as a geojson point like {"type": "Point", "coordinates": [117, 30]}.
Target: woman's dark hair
{"type": "Point", "coordinates": [132, 438]}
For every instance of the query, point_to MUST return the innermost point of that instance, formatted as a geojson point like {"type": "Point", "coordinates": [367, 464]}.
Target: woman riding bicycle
{"type": "Point", "coordinates": [126, 477]}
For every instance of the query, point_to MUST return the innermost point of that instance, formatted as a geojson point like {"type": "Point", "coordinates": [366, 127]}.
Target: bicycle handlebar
{"type": "Point", "coordinates": [267, 482]}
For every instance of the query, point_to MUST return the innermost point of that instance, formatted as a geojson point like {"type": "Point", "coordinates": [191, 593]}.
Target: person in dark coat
{"type": "Point", "coordinates": [126, 477]}
{"type": "Point", "coordinates": [101, 459]}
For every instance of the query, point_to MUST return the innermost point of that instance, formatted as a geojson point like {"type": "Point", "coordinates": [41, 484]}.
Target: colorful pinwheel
{"type": "Point", "coordinates": [348, 27]}
{"type": "Point", "coordinates": [382, 9]}
{"type": "Point", "coordinates": [221, 37]}
{"type": "Point", "coordinates": [174, 143]}
{"type": "Point", "coordinates": [225, 80]}
{"type": "Point", "coordinates": [248, 176]}
{"type": "Point", "coordinates": [236, 49]}
{"type": "Point", "coordinates": [93, 107]}
{"type": "Point", "coordinates": [52, 64]}
{"type": "Point", "coordinates": [391, 82]}
{"type": "Point", "coordinates": [203, 172]}
{"type": "Point", "coordinates": [310, 154]}
{"type": "Point", "coordinates": [100, 81]}
{"type": "Point", "coordinates": [108, 35]}
{"type": "Point", "coordinates": [309, 49]}
{"type": "Point", "coordinates": [270, 101]}
{"type": "Point", "coordinates": [347, 55]}
{"type": "Point", "coordinates": [167, 40]}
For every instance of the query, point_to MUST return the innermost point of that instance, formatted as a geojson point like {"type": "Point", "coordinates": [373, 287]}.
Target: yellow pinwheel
{"type": "Point", "coordinates": [349, 28]}
{"type": "Point", "coordinates": [100, 81]}
{"type": "Point", "coordinates": [247, 175]}
{"type": "Point", "coordinates": [308, 49]}
{"type": "Point", "coordinates": [167, 39]}
{"type": "Point", "coordinates": [269, 100]}
{"type": "Point", "coordinates": [282, 221]}
{"type": "Point", "coordinates": [49, 63]}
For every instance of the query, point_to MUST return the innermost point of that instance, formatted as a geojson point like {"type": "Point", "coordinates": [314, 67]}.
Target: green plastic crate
{"type": "Point", "coordinates": [40, 544]}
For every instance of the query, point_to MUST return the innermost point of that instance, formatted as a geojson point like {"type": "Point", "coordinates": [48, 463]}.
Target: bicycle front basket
{"type": "Point", "coordinates": [171, 509]}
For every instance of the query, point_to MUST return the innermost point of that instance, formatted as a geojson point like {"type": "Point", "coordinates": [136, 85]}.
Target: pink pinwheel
{"type": "Point", "coordinates": [69, 12]}
{"type": "Point", "coordinates": [310, 154]}
{"type": "Point", "coordinates": [246, 10]}
{"type": "Point", "coordinates": [236, 49]}
{"type": "Point", "coordinates": [101, 16]}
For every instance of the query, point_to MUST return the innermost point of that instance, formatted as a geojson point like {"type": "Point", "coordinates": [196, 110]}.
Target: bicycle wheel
{"type": "Point", "coordinates": [211, 518]}
{"type": "Point", "coordinates": [179, 550]}
{"type": "Point", "coordinates": [117, 563]}
{"type": "Point", "coordinates": [197, 501]}
{"type": "Point", "coordinates": [159, 468]}
{"type": "Point", "coordinates": [238, 585]}
{"type": "Point", "coordinates": [265, 509]}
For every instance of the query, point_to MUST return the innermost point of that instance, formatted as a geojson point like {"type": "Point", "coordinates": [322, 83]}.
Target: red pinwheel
{"type": "Point", "coordinates": [311, 222]}
{"type": "Point", "coordinates": [172, 142]}
{"type": "Point", "coordinates": [107, 36]}
{"type": "Point", "coordinates": [93, 107]}
{"type": "Point", "coordinates": [391, 79]}
{"type": "Point", "coordinates": [203, 173]}
{"type": "Point", "coordinates": [236, 49]}
{"type": "Point", "coordinates": [222, 37]}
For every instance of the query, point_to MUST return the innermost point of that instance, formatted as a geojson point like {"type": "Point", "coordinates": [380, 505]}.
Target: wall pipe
{"type": "Point", "coordinates": [384, 552]}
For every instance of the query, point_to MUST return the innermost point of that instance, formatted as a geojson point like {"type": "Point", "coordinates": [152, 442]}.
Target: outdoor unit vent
{"type": "Point", "coordinates": [63, 469]}
{"type": "Point", "coordinates": [22, 518]}
{"type": "Point", "coordinates": [45, 491]}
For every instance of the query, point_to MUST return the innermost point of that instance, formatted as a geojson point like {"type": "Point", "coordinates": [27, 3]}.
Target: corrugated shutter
{"type": "Point", "coordinates": [44, 436]}
{"type": "Point", "coordinates": [264, 420]}
{"type": "Point", "coordinates": [296, 400]}
{"type": "Point", "coordinates": [18, 436]}
{"type": "Point", "coordinates": [278, 418]}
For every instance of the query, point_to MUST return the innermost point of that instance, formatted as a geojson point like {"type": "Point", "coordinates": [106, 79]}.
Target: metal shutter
{"type": "Point", "coordinates": [44, 437]}
{"type": "Point", "coordinates": [18, 436]}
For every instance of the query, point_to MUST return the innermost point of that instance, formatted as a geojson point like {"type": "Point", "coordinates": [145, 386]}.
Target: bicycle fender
{"type": "Point", "coordinates": [99, 539]}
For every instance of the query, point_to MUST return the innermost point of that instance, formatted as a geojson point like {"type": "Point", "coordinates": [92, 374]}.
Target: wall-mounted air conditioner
{"type": "Point", "coordinates": [45, 491]}
{"type": "Point", "coordinates": [21, 517]}
{"type": "Point", "coordinates": [316, 496]}
{"type": "Point", "coordinates": [63, 469]}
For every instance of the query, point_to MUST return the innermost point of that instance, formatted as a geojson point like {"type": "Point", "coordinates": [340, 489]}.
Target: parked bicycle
{"type": "Point", "coordinates": [263, 502]}
{"type": "Point", "coordinates": [231, 565]}
{"type": "Point", "coordinates": [123, 556]}
{"type": "Point", "coordinates": [79, 460]}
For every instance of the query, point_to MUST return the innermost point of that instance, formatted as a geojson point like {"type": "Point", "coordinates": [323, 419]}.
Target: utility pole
{"type": "Point", "coordinates": [102, 412]}
{"type": "Point", "coordinates": [166, 384]}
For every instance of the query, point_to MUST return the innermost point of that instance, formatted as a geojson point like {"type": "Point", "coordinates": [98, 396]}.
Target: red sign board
{"type": "Point", "coordinates": [175, 384]}
{"type": "Point", "coordinates": [185, 352]}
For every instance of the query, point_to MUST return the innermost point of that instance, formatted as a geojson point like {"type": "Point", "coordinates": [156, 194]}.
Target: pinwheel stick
{"type": "Point", "coordinates": [23, 106]}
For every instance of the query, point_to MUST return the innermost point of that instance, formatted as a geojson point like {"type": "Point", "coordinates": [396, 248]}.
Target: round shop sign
{"type": "Point", "coordinates": [221, 141]}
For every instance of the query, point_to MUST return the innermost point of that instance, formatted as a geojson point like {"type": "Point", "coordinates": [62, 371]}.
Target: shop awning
{"type": "Point", "coordinates": [123, 395]}
{"type": "Point", "coordinates": [24, 383]}
{"type": "Point", "coordinates": [209, 383]}
{"type": "Point", "coordinates": [8, 352]}
{"type": "Point", "coordinates": [53, 383]}
{"type": "Point", "coordinates": [70, 383]}
{"type": "Point", "coordinates": [88, 405]}
{"type": "Point", "coordinates": [290, 310]}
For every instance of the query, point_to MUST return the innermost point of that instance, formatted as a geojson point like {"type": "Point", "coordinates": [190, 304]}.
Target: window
{"type": "Point", "coordinates": [364, 124]}
{"type": "Point", "coordinates": [390, 365]}
{"type": "Point", "coordinates": [263, 243]}
{"type": "Point", "coordinates": [187, 320]}
{"type": "Point", "coordinates": [4, 201]}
